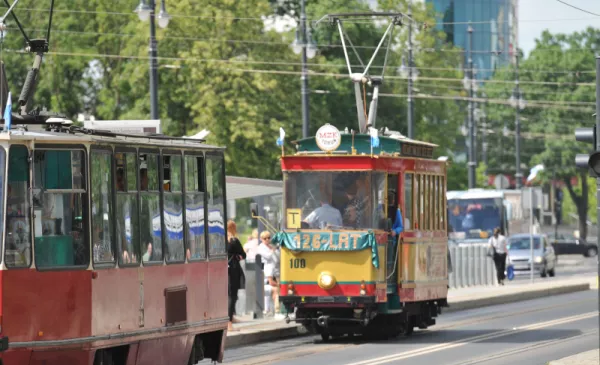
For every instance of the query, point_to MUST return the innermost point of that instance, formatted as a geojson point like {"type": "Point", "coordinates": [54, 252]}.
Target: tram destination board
{"type": "Point", "coordinates": [417, 151]}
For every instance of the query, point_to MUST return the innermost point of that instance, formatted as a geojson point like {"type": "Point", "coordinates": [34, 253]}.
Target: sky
{"type": "Point", "coordinates": [537, 15]}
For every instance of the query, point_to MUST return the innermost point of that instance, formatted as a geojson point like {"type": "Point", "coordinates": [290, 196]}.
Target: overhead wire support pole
{"type": "Point", "coordinates": [598, 179]}
{"type": "Point", "coordinates": [518, 175]}
{"type": "Point", "coordinates": [411, 114]}
{"type": "Point", "coordinates": [471, 118]}
{"type": "Point", "coordinates": [304, 78]}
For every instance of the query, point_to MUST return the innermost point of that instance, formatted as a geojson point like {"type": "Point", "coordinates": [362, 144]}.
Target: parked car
{"type": "Point", "coordinates": [519, 254]}
{"type": "Point", "coordinates": [568, 244]}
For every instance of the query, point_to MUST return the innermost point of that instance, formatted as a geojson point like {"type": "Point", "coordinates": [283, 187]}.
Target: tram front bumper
{"type": "Point", "coordinates": [324, 300]}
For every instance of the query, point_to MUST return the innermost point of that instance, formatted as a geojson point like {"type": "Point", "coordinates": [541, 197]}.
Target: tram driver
{"type": "Point", "coordinates": [325, 214]}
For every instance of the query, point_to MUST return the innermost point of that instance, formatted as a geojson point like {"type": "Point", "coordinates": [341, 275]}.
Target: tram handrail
{"type": "Point", "coordinates": [264, 221]}
{"type": "Point", "coordinates": [396, 260]}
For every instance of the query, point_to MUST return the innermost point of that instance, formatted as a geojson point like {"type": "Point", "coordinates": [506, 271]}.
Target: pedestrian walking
{"type": "Point", "coordinates": [498, 245]}
{"type": "Point", "coordinates": [237, 280]}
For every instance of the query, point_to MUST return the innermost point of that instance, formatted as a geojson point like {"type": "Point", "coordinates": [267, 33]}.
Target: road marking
{"type": "Point", "coordinates": [473, 339]}
{"type": "Point", "coordinates": [526, 348]}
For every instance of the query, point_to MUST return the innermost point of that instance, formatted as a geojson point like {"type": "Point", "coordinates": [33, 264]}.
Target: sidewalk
{"type": "Point", "coordinates": [585, 358]}
{"type": "Point", "coordinates": [254, 331]}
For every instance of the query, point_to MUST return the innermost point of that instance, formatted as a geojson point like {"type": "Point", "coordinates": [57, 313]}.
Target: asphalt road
{"type": "Point", "coordinates": [531, 332]}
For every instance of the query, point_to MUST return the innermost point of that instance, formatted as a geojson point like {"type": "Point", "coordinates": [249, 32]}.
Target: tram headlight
{"type": "Point", "coordinates": [363, 288]}
{"type": "Point", "coordinates": [326, 280]}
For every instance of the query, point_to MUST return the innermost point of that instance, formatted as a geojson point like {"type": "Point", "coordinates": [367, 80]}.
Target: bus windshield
{"type": "Point", "coordinates": [337, 199]}
{"type": "Point", "coordinates": [471, 218]}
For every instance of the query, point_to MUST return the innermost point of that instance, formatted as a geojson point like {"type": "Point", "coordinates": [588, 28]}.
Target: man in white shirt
{"type": "Point", "coordinates": [498, 243]}
{"type": "Point", "coordinates": [324, 215]}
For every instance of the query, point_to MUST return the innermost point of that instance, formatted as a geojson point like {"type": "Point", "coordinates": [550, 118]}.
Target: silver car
{"type": "Point", "coordinates": [519, 254]}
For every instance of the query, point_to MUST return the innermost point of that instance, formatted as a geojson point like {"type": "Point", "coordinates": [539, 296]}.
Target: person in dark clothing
{"type": "Point", "coordinates": [237, 280]}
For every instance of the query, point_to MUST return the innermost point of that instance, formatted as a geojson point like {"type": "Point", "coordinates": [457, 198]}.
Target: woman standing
{"type": "Point", "coordinates": [498, 245]}
{"type": "Point", "coordinates": [270, 258]}
{"type": "Point", "coordinates": [237, 280]}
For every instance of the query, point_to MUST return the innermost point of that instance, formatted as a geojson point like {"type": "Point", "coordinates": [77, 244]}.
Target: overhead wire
{"type": "Point", "coordinates": [574, 7]}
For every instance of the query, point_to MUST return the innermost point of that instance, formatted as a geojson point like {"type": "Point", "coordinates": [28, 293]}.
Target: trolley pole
{"type": "Point", "coordinates": [153, 65]}
{"type": "Point", "coordinates": [304, 76]}
{"type": "Point", "coordinates": [471, 110]}
{"type": "Point", "coordinates": [411, 112]}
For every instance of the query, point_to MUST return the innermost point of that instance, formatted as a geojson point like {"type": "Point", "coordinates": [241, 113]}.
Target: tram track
{"type": "Point", "coordinates": [296, 348]}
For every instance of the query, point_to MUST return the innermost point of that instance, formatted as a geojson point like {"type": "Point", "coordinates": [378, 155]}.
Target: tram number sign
{"type": "Point", "coordinates": [328, 138]}
{"type": "Point", "coordinates": [297, 263]}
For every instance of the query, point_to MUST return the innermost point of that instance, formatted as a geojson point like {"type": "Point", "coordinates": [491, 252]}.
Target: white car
{"type": "Point", "coordinates": [519, 254]}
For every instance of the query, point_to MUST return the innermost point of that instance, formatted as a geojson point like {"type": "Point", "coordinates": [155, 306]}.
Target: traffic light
{"type": "Point", "coordinates": [590, 161]}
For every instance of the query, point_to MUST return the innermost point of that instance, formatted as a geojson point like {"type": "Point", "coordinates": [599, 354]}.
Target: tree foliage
{"type": "Point", "coordinates": [222, 69]}
{"type": "Point", "coordinates": [561, 100]}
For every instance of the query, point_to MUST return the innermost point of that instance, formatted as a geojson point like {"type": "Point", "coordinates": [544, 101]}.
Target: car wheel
{"type": "Point", "coordinates": [591, 252]}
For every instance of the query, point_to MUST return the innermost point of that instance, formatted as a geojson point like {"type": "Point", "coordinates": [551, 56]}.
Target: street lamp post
{"type": "Point", "coordinates": [517, 101]}
{"type": "Point", "coordinates": [308, 49]}
{"type": "Point", "coordinates": [470, 80]}
{"type": "Point", "coordinates": [147, 12]}
{"type": "Point", "coordinates": [411, 110]}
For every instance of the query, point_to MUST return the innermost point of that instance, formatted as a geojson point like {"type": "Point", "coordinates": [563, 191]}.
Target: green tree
{"type": "Point", "coordinates": [560, 102]}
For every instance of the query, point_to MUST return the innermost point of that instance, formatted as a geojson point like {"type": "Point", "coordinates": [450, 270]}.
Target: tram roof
{"type": "Point", "coordinates": [125, 139]}
{"type": "Point", "coordinates": [390, 143]}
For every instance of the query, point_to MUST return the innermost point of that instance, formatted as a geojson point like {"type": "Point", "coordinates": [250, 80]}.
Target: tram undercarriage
{"type": "Point", "coordinates": [367, 320]}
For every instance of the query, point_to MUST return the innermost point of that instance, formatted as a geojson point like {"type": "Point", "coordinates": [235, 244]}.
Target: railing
{"type": "Point", "coordinates": [471, 266]}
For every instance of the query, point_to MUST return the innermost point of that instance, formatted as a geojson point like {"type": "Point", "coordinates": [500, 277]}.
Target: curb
{"type": "Point", "coordinates": [515, 297]}
{"type": "Point", "coordinates": [242, 339]}
{"type": "Point", "coordinates": [296, 330]}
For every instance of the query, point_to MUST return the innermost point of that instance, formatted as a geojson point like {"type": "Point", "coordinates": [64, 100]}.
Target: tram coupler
{"type": "Point", "coordinates": [323, 321]}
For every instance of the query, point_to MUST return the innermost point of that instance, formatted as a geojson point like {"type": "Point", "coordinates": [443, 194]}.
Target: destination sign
{"type": "Point", "coordinates": [417, 151]}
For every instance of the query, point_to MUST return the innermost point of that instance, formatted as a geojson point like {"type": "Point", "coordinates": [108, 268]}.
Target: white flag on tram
{"type": "Point", "coordinates": [281, 137]}
{"type": "Point", "coordinates": [374, 137]}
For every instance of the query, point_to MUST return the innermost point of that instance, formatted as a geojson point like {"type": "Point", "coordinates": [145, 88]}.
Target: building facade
{"type": "Point", "coordinates": [494, 30]}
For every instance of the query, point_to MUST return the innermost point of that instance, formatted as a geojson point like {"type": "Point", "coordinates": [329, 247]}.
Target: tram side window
{"type": "Point", "coordinates": [127, 219]}
{"type": "Point", "coordinates": [216, 205]}
{"type": "Point", "coordinates": [408, 201]}
{"type": "Point", "coordinates": [173, 208]}
{"type": "Point", "coordinates": [195, 221]}
{"type": "Point", "coordinates": [18, 225]}
{"type": "Point", "coordinates": [419, 197]}
{"type": "Point", "coordinates": [102, 207]}
{"type": "Point", "coordinates": [150, 214]}
{"type": "Point", "coordinates": [59, 204]}
{"type": "Point", "coordinates": [443, 203]}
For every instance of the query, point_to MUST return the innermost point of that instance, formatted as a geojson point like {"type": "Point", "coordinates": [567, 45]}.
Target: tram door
{"type": "Point", "coordinates": [392, 246]}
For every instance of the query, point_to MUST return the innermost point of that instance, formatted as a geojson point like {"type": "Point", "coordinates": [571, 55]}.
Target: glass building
{"type": "Point", "coordinates": [493, 33]}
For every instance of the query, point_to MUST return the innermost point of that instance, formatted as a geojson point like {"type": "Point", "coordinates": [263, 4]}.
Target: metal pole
{"type": "Point", "coordinates": [411, 112]}
{"type": "Point", "coordinates": [153, 64]}
{"type": "Point", "coordinates": [598, 179]}
{"type": "Point", "coordinates": [531, 230]}
{"type": "Point", "coordinates": [304, 76]}
{"type": "Point", "coordinates": [518, 175]}
{"type": "Point", "coordinates": [471, 119]}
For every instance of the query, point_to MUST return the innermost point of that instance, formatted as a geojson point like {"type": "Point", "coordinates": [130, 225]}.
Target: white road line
{"type": "Point", "coordinates": [473, 339]}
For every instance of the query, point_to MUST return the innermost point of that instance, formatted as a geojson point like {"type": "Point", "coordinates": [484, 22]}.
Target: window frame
{"type": "Point", "coordinates": [405, 174]}
{"type": "Point", "coordinates": [3, 202]}
{"type": "Point", "coordinates": [86, 200]}
{"type": "Point", "coordinates": [202, 155]}
{"type": "Point", "coordinates": [158, 152]}
{"type": "Point", "coordinates": [134, 151]}
{"type": "Point", "coordinates": [113, 198]}
{"type": "Point", "coordinates": [29, 205]}
{"type": "Point", "coordinates": [171, 153]}
{"type": "Point", "coordinates": [221, 155]}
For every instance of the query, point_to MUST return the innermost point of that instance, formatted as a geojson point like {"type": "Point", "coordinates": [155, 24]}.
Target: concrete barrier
{"type": "Point", "coordinates": [591, 357]}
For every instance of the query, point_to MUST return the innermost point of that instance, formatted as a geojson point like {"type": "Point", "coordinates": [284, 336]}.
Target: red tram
{"type": "Point", "coordinates": [113, 248]}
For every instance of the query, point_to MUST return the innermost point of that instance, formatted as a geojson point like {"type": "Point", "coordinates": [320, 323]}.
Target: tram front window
{"type": "Point", "coordinates": [350, 200]}
{"type": "Point", "coordinates": [469, 218]}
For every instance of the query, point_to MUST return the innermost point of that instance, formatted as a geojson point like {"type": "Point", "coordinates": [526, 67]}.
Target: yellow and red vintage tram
{"type": "Point", "coordinates": [342, 271]}
{"type": "Point", "coordinates": [113, 248]}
